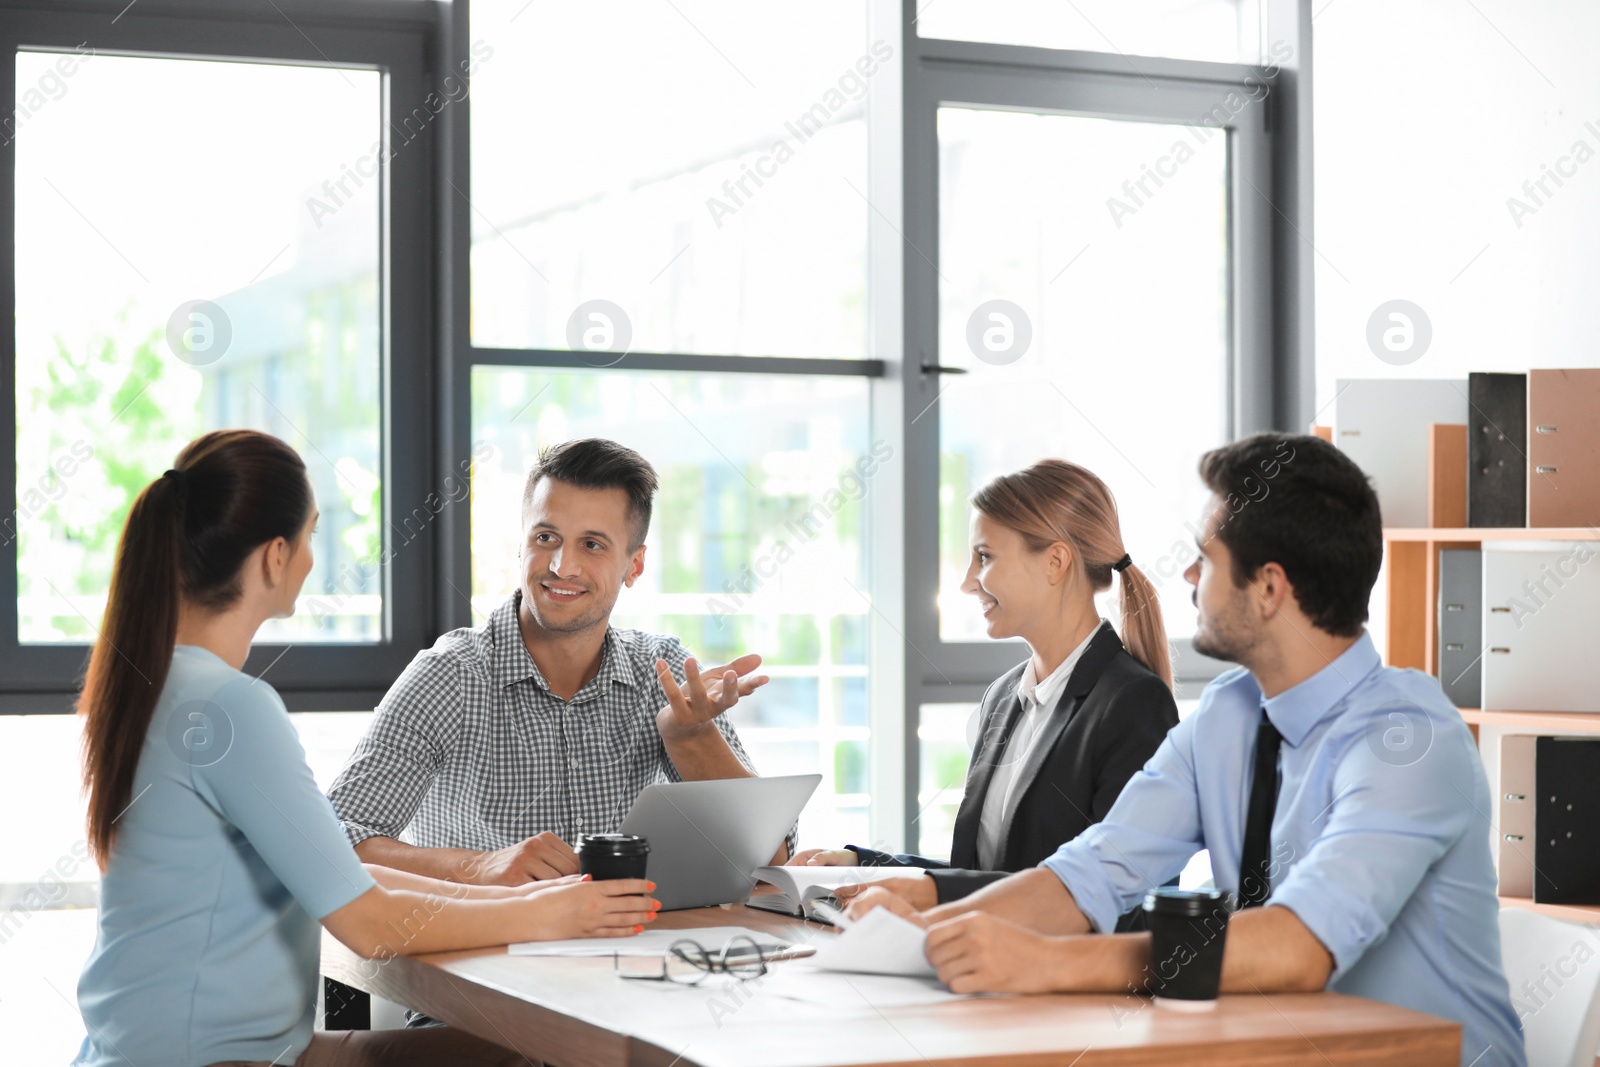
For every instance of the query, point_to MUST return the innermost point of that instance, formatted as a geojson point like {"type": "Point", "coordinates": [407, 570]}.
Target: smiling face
{"type": "Point", "coordinates": [1227, 628]}
{"type": "Point", "coordinates": [1015, 586]}
{"type": "Point", "coordinates": [575, 556]}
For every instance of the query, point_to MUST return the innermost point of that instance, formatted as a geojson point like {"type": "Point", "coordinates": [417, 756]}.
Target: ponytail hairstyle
{"type": "Point", "coordinates": [185, 541]}
{"type": "Point", "coordinates": [1054, 500]}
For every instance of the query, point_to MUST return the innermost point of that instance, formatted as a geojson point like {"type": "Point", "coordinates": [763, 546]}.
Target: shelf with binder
{"type": "Point", "coordinates": [1412, 554]}
{"type": "Point", "coordinates": [1415, 559]}
{"type": "Point", "coordinates": [1496, 613]}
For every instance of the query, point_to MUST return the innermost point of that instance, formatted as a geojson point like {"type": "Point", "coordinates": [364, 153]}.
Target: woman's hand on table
{"type": "Point", "coordinates": [615, 907]}
{"type": "Point", "coordinates": [531, 888]}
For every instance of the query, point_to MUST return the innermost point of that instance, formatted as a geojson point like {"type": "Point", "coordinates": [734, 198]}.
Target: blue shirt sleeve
{"type": "Point", "coordinates": [1387, 826]}
{"type": "Point", "coordinates": [1146, 838]}
{"type": "Point", "coordinates": [262, 785]}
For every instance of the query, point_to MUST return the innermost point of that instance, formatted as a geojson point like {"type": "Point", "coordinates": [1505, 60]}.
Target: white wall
{"type": "Point", "coordinates": [1429, 115]}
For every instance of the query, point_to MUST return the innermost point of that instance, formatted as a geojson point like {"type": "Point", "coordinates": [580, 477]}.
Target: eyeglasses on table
{"type": "Point", "coordinates": [688, 962]}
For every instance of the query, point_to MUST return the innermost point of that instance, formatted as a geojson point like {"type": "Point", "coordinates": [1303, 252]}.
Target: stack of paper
{"type": "Point", "coordinates": [881, 943]}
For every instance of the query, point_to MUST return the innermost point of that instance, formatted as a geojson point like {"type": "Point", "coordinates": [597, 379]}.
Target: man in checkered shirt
{"type": "Point", "coordinates": [499, 746]}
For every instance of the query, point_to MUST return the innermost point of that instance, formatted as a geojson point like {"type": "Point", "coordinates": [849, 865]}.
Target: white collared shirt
{"type": "Point", "coordinates": [1038, 701]}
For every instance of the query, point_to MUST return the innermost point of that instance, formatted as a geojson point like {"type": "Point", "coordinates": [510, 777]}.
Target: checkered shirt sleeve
{"type": "Point", "coordinates": [412, 734]}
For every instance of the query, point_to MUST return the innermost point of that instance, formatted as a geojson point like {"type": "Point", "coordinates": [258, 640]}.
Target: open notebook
{"type": "Point", "coordinates": [798, 887]}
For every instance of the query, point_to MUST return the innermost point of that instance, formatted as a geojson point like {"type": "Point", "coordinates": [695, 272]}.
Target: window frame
{"type": "Point", "coordinates": [427, 427]}
{"type": "Point", "coordinates": [958, 76]}
{"type": "Point", "coordinates": [463, 354]}
{"type": "Point", "coordinates": [1269, 257]}
{"type": "Point", "coordinates": [400, 40]}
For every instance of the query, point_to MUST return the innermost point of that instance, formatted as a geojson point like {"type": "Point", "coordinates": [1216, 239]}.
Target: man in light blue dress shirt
{"type": "Point", "coordinates": [1380, 882]}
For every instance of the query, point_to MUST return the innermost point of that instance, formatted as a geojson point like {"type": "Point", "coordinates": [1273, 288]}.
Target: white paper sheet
{"type": "Point", "coordinates": [805, 982]}
{"type": "Point", "coordinates": [804, 878]}
{"type": "Point", "coordinates": [648, 943]}
{"type": "Point", "coordinates": [881, 943]}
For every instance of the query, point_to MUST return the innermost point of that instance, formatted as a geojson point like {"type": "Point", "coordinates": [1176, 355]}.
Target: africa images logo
{"type": "Point", "coordinates": [200, 733]}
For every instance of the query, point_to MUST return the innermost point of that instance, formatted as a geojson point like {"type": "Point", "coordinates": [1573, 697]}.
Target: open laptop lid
{"type": "Point", "coordinates": [707, 838]}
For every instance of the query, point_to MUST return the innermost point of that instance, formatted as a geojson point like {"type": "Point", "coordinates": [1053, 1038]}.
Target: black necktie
{"type": "Point", "coordinates": [1254, 858]}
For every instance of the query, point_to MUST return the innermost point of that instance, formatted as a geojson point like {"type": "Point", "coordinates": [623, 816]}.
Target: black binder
{"type": "Point", "coordinates": [1497, 450]}
{"type": "Point", "coordinates": [1566, 848]}
{"type": "Point", "coordinates": [1461, 626]}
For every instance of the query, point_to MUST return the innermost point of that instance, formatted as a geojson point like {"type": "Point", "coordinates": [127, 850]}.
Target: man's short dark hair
{"type": "Point", "coordinates": [1299, 502]}
{"type": "Point", "coordinates": [596, 463]}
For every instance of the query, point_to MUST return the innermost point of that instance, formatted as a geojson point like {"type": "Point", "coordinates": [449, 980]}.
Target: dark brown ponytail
{"type": "Point", "coordinates": [186, 539]}
{"type": "Point", "coordinates": [1054, 500]}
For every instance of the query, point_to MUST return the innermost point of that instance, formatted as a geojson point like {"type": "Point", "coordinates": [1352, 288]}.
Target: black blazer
{"type": "Point", "coordinates": [1111, 718]}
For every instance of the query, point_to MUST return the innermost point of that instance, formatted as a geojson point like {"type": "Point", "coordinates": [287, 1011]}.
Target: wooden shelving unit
{"type": "Point", "coordinates": [1413, 556]}
{"type": "Point", "coordinates": [1535, 722]}
{"type": "Point", "coordinates": [1413, 641]}
{"type": "Point", "coordinates": [1478, 534]}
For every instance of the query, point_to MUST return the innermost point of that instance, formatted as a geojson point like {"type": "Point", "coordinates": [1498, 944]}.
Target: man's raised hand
{"type": "Point", "coordinates": [693, 706]}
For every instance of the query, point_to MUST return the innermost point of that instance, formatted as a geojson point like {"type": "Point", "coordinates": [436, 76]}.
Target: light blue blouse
{"type": "Point", "coordinates": [224, 863]}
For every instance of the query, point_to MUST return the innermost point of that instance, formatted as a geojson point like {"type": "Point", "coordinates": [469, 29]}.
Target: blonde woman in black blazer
{"type": "Point", "coordinates": [1062, 732]}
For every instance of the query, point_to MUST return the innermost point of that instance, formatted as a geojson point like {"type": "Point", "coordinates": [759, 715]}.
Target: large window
{"type": "Point", "coordinates": [701, 191]}
{"type": "Point", "coordinates": [219, 219]}
{"type": "Point", "coordinates": [1089, 305]}
{"type": "Point", "coordinates": [180, 272]}
{"type": "Point", "coordinates": [1086, 278]}
{"type": "Point", "coordinates": [756, 543]}
{"type": "Point", "coordinates": [761, 244]}
{"type": "Point", "coordinates": [757, 242]}
{"type": "Point", "coordinates": [703, 173]}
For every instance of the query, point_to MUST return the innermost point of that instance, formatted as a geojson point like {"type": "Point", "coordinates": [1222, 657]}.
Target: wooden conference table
{"type": "Point", "coordinates": [578, 1013]}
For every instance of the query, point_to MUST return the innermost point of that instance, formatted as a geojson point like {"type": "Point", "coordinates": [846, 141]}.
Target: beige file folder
{"type": "Point", "coordinates": [1564, 447]}
{"type": "Point", "coordinates": [1514, 807]}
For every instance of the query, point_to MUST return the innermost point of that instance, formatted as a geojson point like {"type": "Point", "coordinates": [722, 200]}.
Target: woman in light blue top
{"type": "Point", "coordinates": [219, 855]}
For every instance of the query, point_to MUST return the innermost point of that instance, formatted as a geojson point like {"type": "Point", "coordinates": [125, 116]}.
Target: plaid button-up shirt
{"type": "Point", "coordinates": [471, 749]}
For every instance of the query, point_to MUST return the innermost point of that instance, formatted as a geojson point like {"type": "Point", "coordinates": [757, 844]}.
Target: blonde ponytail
{"type": "Point", "coordinates": [1143, 630]}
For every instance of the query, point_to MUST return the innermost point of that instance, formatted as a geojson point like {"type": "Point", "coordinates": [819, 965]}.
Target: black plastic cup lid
{"type": "Point", "coordinates": [1191, 903]}
{"type": "Point", "coordinates": [613, 844]}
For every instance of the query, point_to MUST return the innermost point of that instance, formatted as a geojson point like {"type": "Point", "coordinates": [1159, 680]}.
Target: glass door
{"type": "Point", "coordinates": [1087, 299]}
{"type": "Point", "coordinates": [1096, 292]}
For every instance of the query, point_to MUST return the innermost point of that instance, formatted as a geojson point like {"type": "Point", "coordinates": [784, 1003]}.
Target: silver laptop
{"type": "Point", "coordinates": [707, 838]}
